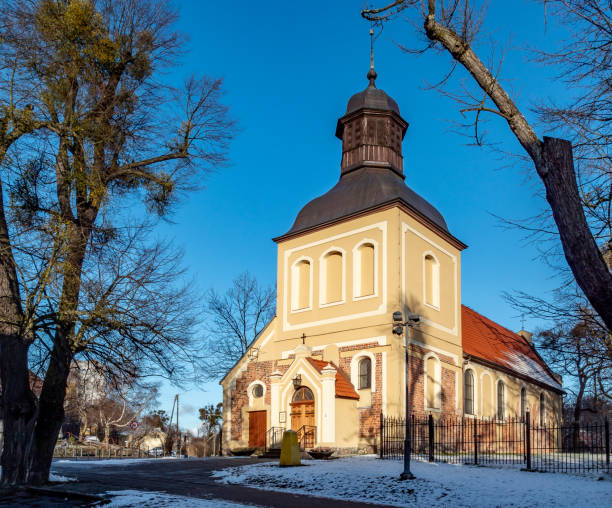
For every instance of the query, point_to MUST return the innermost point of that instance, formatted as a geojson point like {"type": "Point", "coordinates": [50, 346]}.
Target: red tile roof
{"type": "Point", "coordinates": [344, 387]}
{"type": "Point", "coordinates": [489, 341]}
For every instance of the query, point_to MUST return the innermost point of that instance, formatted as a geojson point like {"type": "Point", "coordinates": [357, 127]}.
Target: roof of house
{"type": "Point", "coordinates": [489, 341]}
{"type": "Point", "coordinates": [344, 387]}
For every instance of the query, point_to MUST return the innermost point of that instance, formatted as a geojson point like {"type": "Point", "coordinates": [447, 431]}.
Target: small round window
{"type": "Point", "coordinates": [258, 391]}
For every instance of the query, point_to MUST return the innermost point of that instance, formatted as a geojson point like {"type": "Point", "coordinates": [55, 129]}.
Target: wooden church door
{"type": "Point", "coordinates": [257, 429]}
{"type": "Point", "coordinates": [302, 408]}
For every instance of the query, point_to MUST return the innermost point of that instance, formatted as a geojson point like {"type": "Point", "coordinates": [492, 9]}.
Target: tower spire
{"type": "Point", "coordinates": [371, 72]}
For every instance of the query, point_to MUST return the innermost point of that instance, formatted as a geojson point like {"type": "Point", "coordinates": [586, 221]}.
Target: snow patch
{"type": "Point", "coordinates": [138, 498]}
{"type": "Point", "coordinates": [368, 479]}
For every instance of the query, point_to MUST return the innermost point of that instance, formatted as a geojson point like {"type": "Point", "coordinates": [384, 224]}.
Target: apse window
{"type": "Point", "coordinates": [501, 401]}
{"type": "Point", "coordinates": [468, 392]}
{"type": "Point", "coordinates": [432, 281]}
{"type": "Point", "coordinates": [300, 285]}
{"type": "Point", "coordinates": [365, 270]}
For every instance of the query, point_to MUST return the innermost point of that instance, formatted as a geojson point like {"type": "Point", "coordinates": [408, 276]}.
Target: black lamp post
{"type": "Point", "coordinates": [399, 326]}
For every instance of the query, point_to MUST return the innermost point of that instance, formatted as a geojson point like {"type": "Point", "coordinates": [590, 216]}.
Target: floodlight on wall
{"type": "Point", "coordinates": [398, 317]}
{"type": "Point", "coordinates": [297, 381]}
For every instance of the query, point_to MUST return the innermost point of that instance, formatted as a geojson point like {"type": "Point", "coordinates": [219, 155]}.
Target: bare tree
{"type": "Point", "coordinates": [235, 320]}
{"type": "Point", "coordinates": [452, 27]}
{"type": "Point", "coordinates": [123, 404]}
{"type": "Point", "coordinates": [113, 131]}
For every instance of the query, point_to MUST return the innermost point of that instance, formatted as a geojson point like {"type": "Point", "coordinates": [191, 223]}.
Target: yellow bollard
{"type": "Point", "coordinates": [290, 449]}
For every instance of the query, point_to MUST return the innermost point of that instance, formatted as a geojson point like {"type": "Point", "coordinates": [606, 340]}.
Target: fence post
{"type": "Point", "coordinates": [475, 421]}
{"type": "Point", "coordinates": [607, 435]}
{"type": "Point", "coordinates": [528, 439]}
{"type": "Point", "coordinates": [430, 425]}
{"type": "Point", "coordinates": [381, 436]}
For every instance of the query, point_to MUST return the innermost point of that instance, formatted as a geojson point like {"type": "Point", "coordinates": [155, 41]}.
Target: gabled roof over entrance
{"type": "Point", "coordinates": [489, 341]}
{"type": "Point", "coordinates": [344, 387]}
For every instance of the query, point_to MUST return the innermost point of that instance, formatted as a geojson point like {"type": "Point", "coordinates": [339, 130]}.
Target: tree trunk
{"type": "Point", "coordinates": [19, 409]}
{"type": "Point", "coordinates": [51, 414]}
{"type": "Point", "coordinates": [18, 401]}
{"type": "Point", "coordinates": [581, 252]}
{"type": "Point", "coordinates": [554, 164]}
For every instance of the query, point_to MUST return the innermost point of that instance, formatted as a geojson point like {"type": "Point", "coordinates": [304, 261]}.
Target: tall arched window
{"type": "Point", "coordinates": [300, 285]}
{"type": "Point", "coordinates": [365, 271]}
{"type": "Point", "coordinates": [542, 408]}
{"type": "Point", "coordinates": [433, 384]}
{"type": "Point", "coordinates": [332, 274]}
{"type": "Point", "coordinates": [523, 403]}
{"type": "Point", "coordinates": [501, 401]}
{"type": "Point", "coordinates": [432, 281]}
{"type": "Point", "coordinates": [468, 392]}
{"type": "Point", "coordinates": [365, 373]}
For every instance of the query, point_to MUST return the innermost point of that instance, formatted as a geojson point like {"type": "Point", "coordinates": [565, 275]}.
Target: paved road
{"type": "Point", "coordinates": [188, 477]}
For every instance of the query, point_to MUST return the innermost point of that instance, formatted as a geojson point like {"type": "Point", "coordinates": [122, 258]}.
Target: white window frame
{"type": "Point", "coordinates": [323, 277]}
{"type": "Point", "coordinates": [252, 398]}
{"type": "Point", "coordinates": [357, 269]}
{"type": "Point", "coordinates": [355, 369]}
{"type": "Point", "coordinates": [474, 394]}
{"type": "Point", "coordinates": [435, 283]}
{"type": "Point", "coordinates": [295, 285]}
{"type": "Point", "coordinates": [504, 408]}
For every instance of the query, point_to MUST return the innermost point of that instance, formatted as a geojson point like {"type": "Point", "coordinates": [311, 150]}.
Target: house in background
{"type": "Point", "coordinates": [329, 363]}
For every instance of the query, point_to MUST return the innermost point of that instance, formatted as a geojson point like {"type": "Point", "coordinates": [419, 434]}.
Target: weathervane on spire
{"type": "Point", "coordinates": [371, 72]}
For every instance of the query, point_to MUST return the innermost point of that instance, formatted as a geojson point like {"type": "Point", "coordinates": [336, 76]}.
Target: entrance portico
{"type": "Point", "coordinates": [306, 395]}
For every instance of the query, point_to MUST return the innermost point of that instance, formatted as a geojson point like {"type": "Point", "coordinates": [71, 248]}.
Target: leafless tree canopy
{"type": "Point", "coordinates": [579, 200]}
{"type": "Point", "coordinates": [89, 127]}
{"type": "Point", "coordinates": [236, 318]}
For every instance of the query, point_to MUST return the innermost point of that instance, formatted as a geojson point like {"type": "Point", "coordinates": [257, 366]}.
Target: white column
{"type": "Point", "coordinates": [328, 418]}
{"type": "Point", "coordinates": [275, 378]}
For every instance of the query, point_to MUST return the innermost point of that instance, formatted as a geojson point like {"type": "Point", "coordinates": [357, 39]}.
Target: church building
{"type": "Point", "coordinates": [333, 360]}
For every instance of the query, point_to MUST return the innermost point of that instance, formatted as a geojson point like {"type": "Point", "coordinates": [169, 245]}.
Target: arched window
{"type": "Point", "coordinates": [300, 285]}
{"type": "Point", "coordinates": [501, 401]}
{"type": "Point", "coordinates": [332, 277]}
{"type": "Point", "coordinates": [303, 394]}
{"type": "Point", "coordinates": [432, 281]}
{"type": "Point", "coordinates": [542, 408]}
{"type": "Point", "coordinates": [365, 373]}
{"type": "Point", "coordinates": [487, 397]}
{"type": "Point", "coordinates": [365, 272]}
{"type": "Point", "coordinates": [432, 386]}
{"type": "Point", "coordinates": [468, 392]}
{"type": "Point", "coordinates": [523, 404]}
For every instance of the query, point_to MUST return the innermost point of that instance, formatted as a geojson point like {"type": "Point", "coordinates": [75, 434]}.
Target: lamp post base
{"type": "Point", "coordinates": [407, 476]}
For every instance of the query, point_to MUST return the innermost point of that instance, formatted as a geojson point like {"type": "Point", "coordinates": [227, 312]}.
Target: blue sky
{"type": "Point", "coordinates": [289, 70]}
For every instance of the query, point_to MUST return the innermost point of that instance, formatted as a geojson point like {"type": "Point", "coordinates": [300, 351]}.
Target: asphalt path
{"type": "Point", "coordinates": [184, 477]}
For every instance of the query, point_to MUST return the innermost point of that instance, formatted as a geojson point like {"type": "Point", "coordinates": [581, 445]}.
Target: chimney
{"type": "Point", "coordinates": [526, 335]}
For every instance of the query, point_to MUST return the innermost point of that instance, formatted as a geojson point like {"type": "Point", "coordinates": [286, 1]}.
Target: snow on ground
{"type": "Point", "coordinates": [59, 478]}
{"type": "Point", "coordinates": [137, 498]}
{"type": "Point", "coordinates": [107, 462]}
{"type": "Point", "coordinates": [369, 479]}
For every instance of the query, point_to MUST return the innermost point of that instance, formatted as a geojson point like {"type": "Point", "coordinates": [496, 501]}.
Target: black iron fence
{"type": "Point", "coordinates": [562, 447]}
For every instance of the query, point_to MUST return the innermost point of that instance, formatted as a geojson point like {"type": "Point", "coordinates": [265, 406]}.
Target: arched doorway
{"type": "Point", "coordinates": [302, 408]}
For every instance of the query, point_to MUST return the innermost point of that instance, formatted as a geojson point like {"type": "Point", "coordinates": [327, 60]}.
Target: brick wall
{"type": "Point", "coordinates": [369, 418]}
{"type": "Point", "coordinates": [255, 371]}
